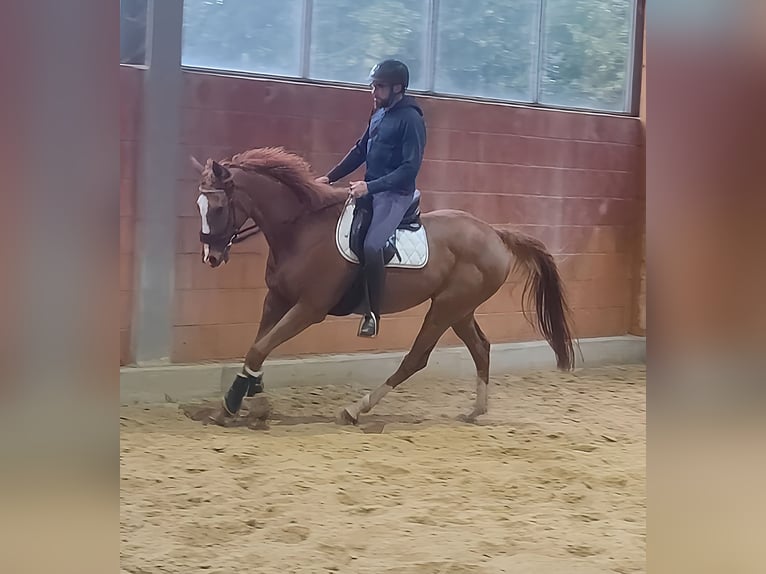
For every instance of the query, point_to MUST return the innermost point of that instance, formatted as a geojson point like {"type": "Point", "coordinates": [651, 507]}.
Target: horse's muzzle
{"type": "Point", "coordinates": [215, 256]}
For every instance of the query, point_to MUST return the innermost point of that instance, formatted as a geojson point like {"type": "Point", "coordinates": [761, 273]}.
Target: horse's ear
{"type": "Point", "coordinates": [196, 164]}
{"type": "Point", "coordinates": [219, 171]}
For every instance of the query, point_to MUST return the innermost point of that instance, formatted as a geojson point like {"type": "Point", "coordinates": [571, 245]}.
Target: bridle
{"type": "Point", "coordinates": [237, 236]}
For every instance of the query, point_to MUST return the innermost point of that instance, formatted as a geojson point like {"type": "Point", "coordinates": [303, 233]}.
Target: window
{"type": "Point", "coordinates": [587, 53]}
{"type": "Point", "coordinates": [487, 48]}
{"type": "Point", "coordinates": [348, 37]}
{"type": "Point", "coordinates": [133, 32]}
{"type": "Point", "coordinates": [257, 36]}
{"type": "Point", "coordinates": [564, 53]}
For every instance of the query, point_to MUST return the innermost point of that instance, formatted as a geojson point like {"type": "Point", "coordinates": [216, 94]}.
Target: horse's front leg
{"type": "Point", "coordinates": [297, 319]}
{"type": "Point", "coordinates": [274, 308]}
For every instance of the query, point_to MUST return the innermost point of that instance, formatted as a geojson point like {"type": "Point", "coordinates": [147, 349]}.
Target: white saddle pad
{"type": "Point", "coordinates": [412, 245]}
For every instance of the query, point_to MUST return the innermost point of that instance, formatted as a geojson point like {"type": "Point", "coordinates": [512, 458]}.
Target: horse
{"type": "Point", "coordinates": [308, 278]}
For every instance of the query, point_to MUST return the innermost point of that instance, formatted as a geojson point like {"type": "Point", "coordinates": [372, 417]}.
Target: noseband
{"type": "Point", "coordinates": [238, 236]}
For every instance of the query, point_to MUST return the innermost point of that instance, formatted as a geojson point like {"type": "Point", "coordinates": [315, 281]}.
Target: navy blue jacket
{"type": "Point", "coordinates": [393, 151]}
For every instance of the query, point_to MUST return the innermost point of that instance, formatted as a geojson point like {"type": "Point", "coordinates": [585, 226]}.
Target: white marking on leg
{"type": "Point", "coordinates": [203, 207]}
{"type": "Point", "coordinates": [481, 396]}
{"type": "Point", "coordinates": [253, 373]}
{"type": "Point", "coordinates": [368, 401]}
{"type": "Point", "coordinates": [376, 396]}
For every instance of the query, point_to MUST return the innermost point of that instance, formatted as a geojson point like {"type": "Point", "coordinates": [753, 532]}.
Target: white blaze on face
{"type": "Point", "coordinates": [203, 206]}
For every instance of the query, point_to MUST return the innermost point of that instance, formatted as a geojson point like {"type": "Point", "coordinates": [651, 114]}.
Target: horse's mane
{"type": "Point", "coordinates": [291, 170]}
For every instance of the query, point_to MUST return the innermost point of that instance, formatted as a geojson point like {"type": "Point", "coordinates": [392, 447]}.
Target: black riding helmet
{"type": "Point", "coordinates": [391, 72]}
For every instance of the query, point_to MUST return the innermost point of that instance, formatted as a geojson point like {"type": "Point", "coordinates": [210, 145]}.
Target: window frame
{"type": "Point", "coordinates": [633, 73]}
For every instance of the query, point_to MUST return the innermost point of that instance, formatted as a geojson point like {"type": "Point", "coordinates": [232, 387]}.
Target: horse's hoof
{"type": "Point", "coordinates": [219, 417]}
{"type": "Point", "coordinates": [344, 418]}
{"type": "Point", "coordinates": [470, 418]}
{"type": "Point", "coordinates": [258, 407]}
{"type": "Point", "coordinates": [259, 424]}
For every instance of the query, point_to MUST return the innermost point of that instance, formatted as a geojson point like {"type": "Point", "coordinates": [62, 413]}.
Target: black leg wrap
{"type": "Point", "coordinates": [232, 400]}
{"type": "Point", "coordinates": [254, 385]}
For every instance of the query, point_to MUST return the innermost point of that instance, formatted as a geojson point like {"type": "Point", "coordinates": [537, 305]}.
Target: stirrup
{"type": "Point", "coordinates": [369, 326]}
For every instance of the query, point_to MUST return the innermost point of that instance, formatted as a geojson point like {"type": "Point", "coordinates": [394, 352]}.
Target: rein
{"type": "Point", "coordinates": [239, 235]}
{"type": "Point", "coordinates": [245, 233]}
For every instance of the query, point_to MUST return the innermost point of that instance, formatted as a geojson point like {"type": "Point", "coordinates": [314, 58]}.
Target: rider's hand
{"type": "Point", "coordinates": [358, 188]}
{"type": "Point", "coordinates": [323, 179]}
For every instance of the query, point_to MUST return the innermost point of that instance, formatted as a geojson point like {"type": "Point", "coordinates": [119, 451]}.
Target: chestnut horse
{"type": "Point", "coordinates": [469, 260]}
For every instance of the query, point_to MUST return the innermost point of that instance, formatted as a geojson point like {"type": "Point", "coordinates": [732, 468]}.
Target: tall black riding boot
{"type": "Point", "coordinates": [374, 271]}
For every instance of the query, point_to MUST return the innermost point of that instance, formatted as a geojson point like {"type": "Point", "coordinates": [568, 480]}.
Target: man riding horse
{"type": "Point", "coordinates": [469, 260]}
{"type": "Point", "coordinates": [392, 147]}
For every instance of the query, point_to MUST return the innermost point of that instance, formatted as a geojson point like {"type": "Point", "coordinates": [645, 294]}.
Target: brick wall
{"type": "Point", "coordinates": [571, 179]}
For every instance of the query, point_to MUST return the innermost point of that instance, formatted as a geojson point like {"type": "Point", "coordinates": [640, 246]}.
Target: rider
{"type": "Point", "coordinates": [392, 147]}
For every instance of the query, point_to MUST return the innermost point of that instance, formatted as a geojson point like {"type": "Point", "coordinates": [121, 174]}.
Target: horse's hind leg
{"type": "Point", "coordinates": [478, 345]}
{"type": "Point", "coordinates": [437, 321]}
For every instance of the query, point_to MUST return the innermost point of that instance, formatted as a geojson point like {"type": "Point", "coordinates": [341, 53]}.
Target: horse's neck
{"type": "Point", "coordinates": [278, 211]}
{"type": "Point", "coordinates": [268, 206]}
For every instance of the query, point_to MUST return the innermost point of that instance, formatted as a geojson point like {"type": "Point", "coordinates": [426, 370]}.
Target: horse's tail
{"type": "Point", "coordinates": [543, 288]}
